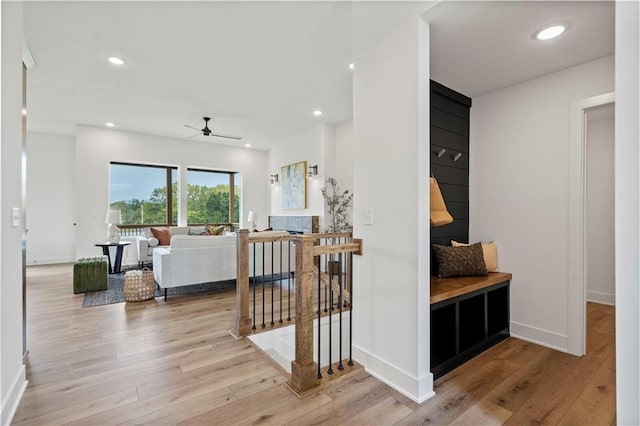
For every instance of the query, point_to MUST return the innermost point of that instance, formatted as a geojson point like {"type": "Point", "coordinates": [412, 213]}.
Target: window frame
{"type": "Point", "coordinates": [168, 185]}
{"type": "Point", "coordinates": [232, 190]}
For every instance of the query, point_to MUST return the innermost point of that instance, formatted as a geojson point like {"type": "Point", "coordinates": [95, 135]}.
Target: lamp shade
{"type": "Point", "coordinates": [113, 216]}
{"type": "Point", "coordinates": [252, 217]}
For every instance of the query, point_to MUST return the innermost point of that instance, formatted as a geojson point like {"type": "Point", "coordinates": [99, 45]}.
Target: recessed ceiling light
{"type": "Point", "coordinates": [550, 32]}
{"type": "Point", "coordinates": [351, 66]}
{"type": "Point", "coordinates": [109, 124]}
{"type": "Point", "coordinates": [115, 60]}
{"type": "Point", "coordinates": [317, 113]}
{"type": "Point", "coordinates": [247, 145]}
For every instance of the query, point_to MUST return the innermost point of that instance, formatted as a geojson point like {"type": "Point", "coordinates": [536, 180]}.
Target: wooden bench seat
{"type": "Point", "coordinates": [447, 288]}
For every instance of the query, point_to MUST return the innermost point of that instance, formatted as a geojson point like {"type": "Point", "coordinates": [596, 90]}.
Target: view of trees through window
{"type": "Point", "coordinates": [140, 193]}
{"type": "Point", "coordinates": [209, 197]}
{"type": "Point", "coordinates": [147, 195]}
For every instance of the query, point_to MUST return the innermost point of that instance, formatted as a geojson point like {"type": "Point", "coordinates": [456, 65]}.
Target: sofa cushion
{"type": "Point", "coordinates": [195, 241]}
{"type": "Point", "coordinates": [163, 234]}
{"type": "Point", "coordinates": [153, 241]}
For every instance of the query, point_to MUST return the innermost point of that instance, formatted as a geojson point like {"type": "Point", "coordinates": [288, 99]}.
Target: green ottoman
{"type": "Point", "coordinates": [90, 274]}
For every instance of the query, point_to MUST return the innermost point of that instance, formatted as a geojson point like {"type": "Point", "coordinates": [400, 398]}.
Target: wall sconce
{"type": "Point", "coordinates": [274, 178]}
{"type": "Point", "coordinates": [313, 171]}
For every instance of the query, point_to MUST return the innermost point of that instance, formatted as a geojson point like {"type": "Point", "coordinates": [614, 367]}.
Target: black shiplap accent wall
{"type": "Point", "coordinates": [450, 130]}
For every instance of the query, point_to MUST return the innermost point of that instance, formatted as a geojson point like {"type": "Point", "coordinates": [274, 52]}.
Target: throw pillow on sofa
{"type": "Point", "coordinates": [215, 229]}
{"type": "Point", "coordinates": [163, 234]}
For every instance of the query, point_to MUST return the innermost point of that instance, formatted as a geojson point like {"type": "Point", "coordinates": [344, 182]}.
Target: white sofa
{"type": "Point", "coordinates": [203, 259]}
{"type": "Point", "coordinates": [148, 243]}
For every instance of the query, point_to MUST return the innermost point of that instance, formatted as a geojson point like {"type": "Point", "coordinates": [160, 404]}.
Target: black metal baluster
{"type": "Point", "coordinates": [319, 308]}
{"type": "Point", "coordinates": [262, 279]}
{"type": "Point", "coordinates": [350, 264]}
{"type": "Point", "coordinates": [330, 369]}
{"type": "Point", "coordinates": [289, 284]}
{"type": "Point", "coordinates": [326, 242]}
{"type": "Point", "coordinates": [254, 287]}
{"type": "Point", "coordinates": [280, 282]}
{"type": "Point", "coordinates": [340, 366]}
{"type": "Point", "coordinates": [272, 285]}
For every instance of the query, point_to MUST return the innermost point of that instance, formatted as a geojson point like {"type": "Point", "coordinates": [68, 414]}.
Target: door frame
{"type": "Point", "coordinates": [577, 249]}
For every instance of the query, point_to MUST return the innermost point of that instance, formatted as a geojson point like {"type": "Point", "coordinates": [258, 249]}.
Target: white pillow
{"type": "Point", "coordinates": [153, 242]}
{"type": "Point", "coordinates": [489, 252]}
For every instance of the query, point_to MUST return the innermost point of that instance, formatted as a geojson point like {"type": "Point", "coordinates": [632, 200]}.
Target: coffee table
{"type": "Point", "coordinates": [105, 250]}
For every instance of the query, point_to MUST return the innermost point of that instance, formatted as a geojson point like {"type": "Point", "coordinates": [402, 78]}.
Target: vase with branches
{"type": "Point", "coordinates": [337, 202]}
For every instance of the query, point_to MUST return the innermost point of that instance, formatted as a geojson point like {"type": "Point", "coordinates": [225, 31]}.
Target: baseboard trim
{"type": "Point", "coordinates": [600, 297]}
{"type": "Point", "coordinates": [539, 336]}
{"type": "Point", "coordinates": [418, 389]}
{"type": "Point", "coordinates": [50, 261]}
{"type": "Point", "coordinates": [14, 395]}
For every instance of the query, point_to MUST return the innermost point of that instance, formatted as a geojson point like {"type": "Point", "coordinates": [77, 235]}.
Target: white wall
{"type": "Point", "coordinates": [50, 198]}
{"type": "Point", "coordinates": [96, 148]}
{"type": "Point", "coordinates": [599, 205]}
{"type": "Point", "coordinates": [518, 190]}
{"type": "Point", "coordinates": [12, 370]}
{"type": "Point", "coordinates": [390, 175]}
{"type": "Point", "coordinates": [627, 212]}
{"type": "Point", "coordinates": [344, 154]}
{"type": "Point", "coordinates": [316, 146]}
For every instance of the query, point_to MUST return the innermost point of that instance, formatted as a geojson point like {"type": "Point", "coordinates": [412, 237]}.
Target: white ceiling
{"type": "Point", "coordinates": [480, 47]}
{"type": "Point", "coordinates": [260, 69]}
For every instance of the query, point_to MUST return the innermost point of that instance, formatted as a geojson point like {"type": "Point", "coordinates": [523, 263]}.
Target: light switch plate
{"type": "Point", "coordinates": [368, 217]}
{"type": "Point", "coordinates": [15, 217]}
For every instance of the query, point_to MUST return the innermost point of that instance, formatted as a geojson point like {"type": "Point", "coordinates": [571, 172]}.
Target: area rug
{"type": "Point", "coordinates": [115, 291]}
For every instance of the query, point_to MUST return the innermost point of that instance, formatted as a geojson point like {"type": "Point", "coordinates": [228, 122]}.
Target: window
{"type": "Point", "coordinates": [212, 197]}
{"type": "Point", "coordinates": [146, 195]}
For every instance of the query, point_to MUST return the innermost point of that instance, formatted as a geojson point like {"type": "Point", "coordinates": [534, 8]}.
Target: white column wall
{"type": "Point", "coordinates": [600, 242]}
{"type": "Point", "coordinates": [390, 175]}
{"type": "Point", "coordinates": [518, 192]}
{"type": "Point", "coordinates": [50, 198]}
{"type": "Point", "coordinates": [12, 369]}
{"type": "Point", "coordinates": [96, 148]}
{"type": "Point", "coordinates": [627, 161]}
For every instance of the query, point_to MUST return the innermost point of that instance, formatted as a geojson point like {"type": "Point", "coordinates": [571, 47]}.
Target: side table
{"type": "Point", "coordinates": [105, 250]}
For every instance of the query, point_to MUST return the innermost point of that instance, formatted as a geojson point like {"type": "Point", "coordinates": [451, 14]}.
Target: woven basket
{"type": "Point", "coordinates": [139, 285]}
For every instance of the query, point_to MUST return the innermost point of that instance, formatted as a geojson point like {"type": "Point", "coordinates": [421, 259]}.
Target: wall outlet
{"type": "Point", "coordinates": [368, 217]}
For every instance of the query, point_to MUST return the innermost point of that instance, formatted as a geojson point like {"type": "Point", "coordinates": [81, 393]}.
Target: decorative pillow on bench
{"type": "Point", "coordinates": [163, 234]}
{"type": "Point", "coordinates": [460, 261]}
{"type": "Point", "coordinates": [489, 252]}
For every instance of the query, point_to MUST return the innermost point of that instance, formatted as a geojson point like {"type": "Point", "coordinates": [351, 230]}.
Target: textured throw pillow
{"type": "Point", "coordinates": [196, 230]}
{"type": "Point", "coordinates": [215, 229]}
{"type": "Point", "coordinates": [163, 234]}
{"type": "Point", "coordinates": [459, 261]}
{"type": "Point", "coordinates": [489, 252]}
{"type": "Point", "coordinates": [153, 241]}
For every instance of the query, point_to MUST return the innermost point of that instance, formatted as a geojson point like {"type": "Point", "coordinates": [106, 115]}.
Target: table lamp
{"type": "Point", "coordinates": [251, 218]}
{"type": "Point", "coordinates": [113, 217]}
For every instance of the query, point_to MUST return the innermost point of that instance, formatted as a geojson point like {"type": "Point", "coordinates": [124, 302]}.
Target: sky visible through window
{"type": "Point", "coordinates": [128, 183]}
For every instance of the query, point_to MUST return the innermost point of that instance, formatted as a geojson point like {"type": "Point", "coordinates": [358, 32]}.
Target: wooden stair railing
{"type": "Point", "coordinates": [314, 254]}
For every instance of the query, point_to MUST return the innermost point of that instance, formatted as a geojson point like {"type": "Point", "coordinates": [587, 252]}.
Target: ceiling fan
{"type": "Point", "coordinates": [206, 131]}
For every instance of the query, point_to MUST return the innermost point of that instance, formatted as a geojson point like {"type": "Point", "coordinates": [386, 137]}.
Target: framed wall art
{"type": "Point", "coordinates": [294, 186]}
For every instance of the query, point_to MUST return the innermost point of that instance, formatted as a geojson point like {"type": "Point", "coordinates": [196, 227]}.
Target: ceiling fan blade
{"type": "Point", "coordinates": [221, 135]}
{"type": "Point", "coordinates": [193, 136]}
{"type": "Point", "coordinates": [194, 128]}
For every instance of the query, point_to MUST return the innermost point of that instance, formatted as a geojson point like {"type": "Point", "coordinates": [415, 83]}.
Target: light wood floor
{"type": "Point", "coordinates": [174, 363]}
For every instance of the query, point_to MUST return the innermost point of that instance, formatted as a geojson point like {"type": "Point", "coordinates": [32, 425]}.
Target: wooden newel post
{"type": "Point", "coordinates": [304, 371]}
{"type": "Point", "coordinates": [242, 325]}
